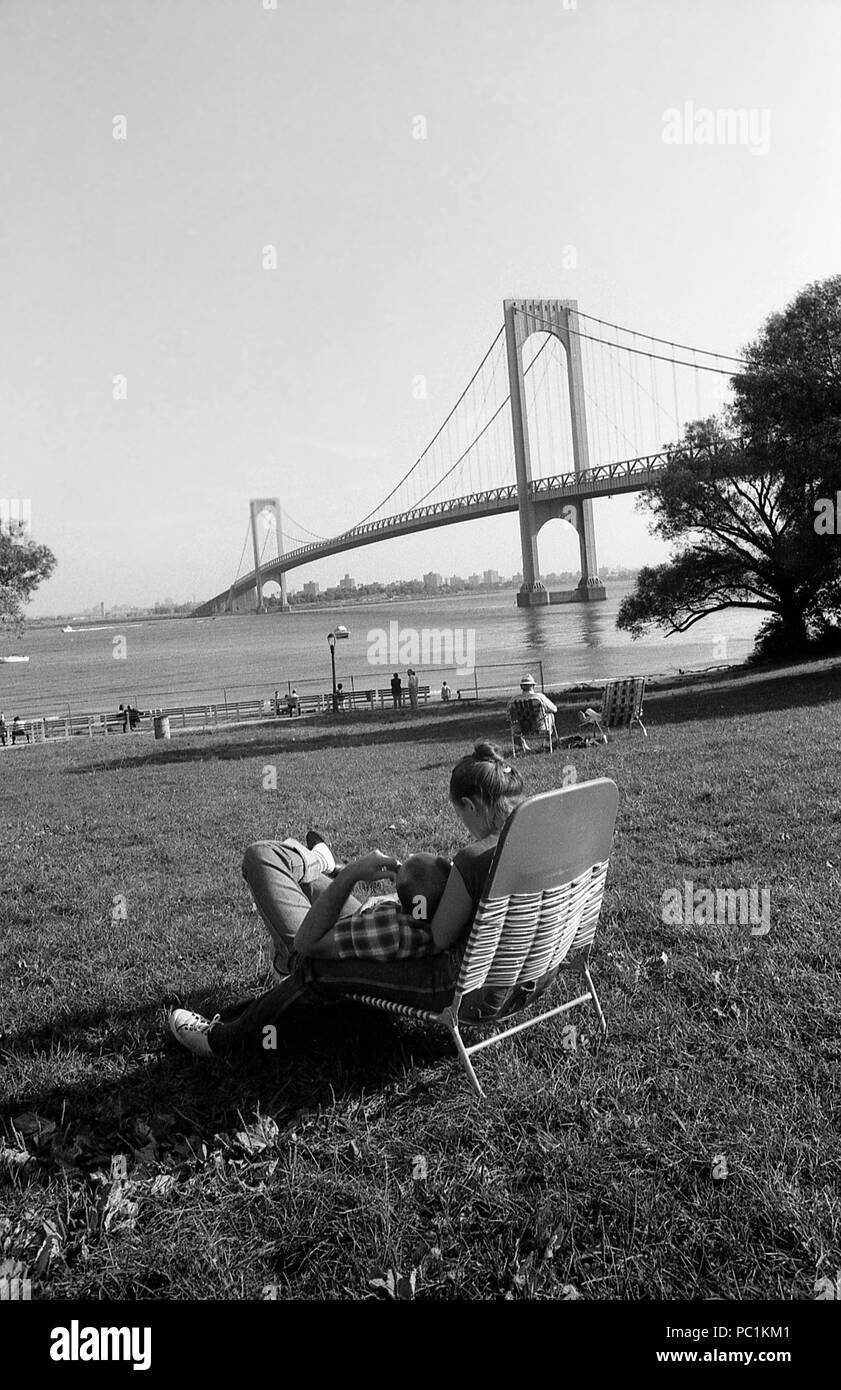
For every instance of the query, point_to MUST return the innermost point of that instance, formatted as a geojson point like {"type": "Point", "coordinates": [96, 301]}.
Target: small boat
{"type": "Point", "coordinates": [340, 630]}
{"type": "Point", "coordinates": [14, 658]}
{"type": "Point", "coordinates": [68, 629]}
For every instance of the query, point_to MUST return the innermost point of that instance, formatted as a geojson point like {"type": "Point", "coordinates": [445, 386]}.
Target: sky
{"type": "Point", "coordinates": [248, 125]}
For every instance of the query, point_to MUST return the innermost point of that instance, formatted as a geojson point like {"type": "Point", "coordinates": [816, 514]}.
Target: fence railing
{"type": "Point", "coordinates": [357, 694]}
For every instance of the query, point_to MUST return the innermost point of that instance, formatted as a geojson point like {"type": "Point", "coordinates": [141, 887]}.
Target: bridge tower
{"type": "Point", "coordinates": [560, 318]}
{"type": "Point", "coordinates": [271, 505]}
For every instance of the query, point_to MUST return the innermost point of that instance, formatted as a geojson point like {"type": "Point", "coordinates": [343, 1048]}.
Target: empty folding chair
{"type": "Point", "coordinates": [621, 706]}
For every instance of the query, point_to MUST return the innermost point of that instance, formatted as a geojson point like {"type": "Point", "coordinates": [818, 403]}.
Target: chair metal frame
{"type": "Point", "coordinates": [538, 915]}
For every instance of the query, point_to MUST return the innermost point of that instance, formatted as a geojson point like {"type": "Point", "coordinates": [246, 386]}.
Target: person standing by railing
{"type": "Point", "coordinates": [19, 730]}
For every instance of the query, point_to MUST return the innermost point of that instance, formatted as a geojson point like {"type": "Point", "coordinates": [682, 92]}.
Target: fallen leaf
{"type": "Point", "coordinates": [828, 1289]}
{"type": "Point", "coordinates": [34, 1126]}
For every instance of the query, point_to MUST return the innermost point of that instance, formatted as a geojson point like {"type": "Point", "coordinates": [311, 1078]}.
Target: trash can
{"type": "Point", "coordinates": [161, 723]}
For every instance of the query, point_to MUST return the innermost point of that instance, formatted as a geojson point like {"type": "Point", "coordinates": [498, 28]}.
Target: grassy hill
{"type": "Point", "coordinates": [695, 1155]}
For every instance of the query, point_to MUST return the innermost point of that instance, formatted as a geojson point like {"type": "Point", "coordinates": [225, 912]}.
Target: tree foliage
{"type": "Point", "coordinates": [739, 497]}
{"type": "Point", "coordinates": [24, 564]}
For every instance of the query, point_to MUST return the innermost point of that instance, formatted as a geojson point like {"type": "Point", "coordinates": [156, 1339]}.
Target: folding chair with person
{"type": "Point", "coordinates": [531, 715]}
{"type": "Point", "coordinates": [537, 917]}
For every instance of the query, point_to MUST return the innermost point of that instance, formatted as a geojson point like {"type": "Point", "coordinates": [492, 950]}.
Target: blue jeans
{"type": "Point", "coordinates": [284, 881]}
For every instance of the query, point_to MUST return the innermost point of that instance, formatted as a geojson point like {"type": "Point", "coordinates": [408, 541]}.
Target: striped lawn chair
{"type": "Point", "coordinates": [621, 706]}
{"type": "Point", "coordinates": [538, 916]}
{"type": "Point", "coordinates": [528, 718]}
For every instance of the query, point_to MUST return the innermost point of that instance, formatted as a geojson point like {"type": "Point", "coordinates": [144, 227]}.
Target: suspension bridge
{"type": "Point", "coordinates": [563, 408]}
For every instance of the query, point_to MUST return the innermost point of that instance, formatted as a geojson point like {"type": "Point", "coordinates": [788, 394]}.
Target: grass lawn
{"type": "Point", "coordinates": [694, 1156]}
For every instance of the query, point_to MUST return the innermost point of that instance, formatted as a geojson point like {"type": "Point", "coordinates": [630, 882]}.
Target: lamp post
{"type": "Point", "coordinates": [331, 642]}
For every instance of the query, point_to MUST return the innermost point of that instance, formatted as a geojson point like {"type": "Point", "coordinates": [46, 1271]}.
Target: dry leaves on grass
{"type": "Point", "coordinates": [395, 1284]}
{"type": "Point", "coordinates": [33, 1239]}
{"type": "Point", "coordinates": [828, 1289]}
{"type": "Point", "coordinates": [719, 1169]}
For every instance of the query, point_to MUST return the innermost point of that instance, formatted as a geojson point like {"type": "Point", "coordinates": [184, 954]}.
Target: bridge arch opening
{"type": "Point", "coordinates": [271, 591]}
{"type": "Point", "coordinates": [548, 417]}
{"type": "Point", "coordinates": [559, 552]}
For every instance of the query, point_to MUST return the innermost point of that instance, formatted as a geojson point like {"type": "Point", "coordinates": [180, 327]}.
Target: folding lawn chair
{"type": "Point", "coordinates": [621, 706]}
{"type": "Point", "coordinates": [528, 718]}
{"type": "Point", "coordinates": [538, 916]}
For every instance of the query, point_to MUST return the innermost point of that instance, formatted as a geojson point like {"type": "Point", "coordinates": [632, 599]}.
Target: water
{"type": "Point", "coordinates": [195, 661]}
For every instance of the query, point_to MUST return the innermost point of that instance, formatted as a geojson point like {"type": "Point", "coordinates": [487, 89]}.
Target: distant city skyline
{"type": "Point", "coordinates": [311, 588]}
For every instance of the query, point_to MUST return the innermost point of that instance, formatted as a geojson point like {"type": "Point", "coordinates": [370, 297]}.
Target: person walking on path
{"type": "Point", "coordinates": [397, 691]}
{"type": "Point", "coordinates": [446, 692]}
{"type": "Point", "coordinates": [413, 688]}
{"type": "Point", "coordinates": [2, 729]}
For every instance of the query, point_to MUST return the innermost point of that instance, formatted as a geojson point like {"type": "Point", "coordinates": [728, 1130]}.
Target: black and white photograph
{"type": "Point", "coordinates": [420, 674]}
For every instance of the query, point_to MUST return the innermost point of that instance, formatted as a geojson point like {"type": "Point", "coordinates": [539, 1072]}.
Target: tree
{"type": "Point", "coordinates": [23, 566]}
{"type": "Point", "coordinates": [740, 495]}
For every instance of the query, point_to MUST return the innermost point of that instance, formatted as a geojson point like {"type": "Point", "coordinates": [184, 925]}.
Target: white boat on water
{"type": "Point", "coordinates": [14, 658]}
{"type": "Point", "coordinates": [68, 629]}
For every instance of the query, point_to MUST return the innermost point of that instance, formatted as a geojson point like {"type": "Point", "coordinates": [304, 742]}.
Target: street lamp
{"type": "Point", "coordinates": [331, 642]}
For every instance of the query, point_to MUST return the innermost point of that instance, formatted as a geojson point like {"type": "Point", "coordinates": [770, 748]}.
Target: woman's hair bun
{"type": "Point", "coordinates": [486, 753]}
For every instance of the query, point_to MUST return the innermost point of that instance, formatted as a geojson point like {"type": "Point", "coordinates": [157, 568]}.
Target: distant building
{"type": "Point", "coordinates": [310, 589]}
{"type": "Point", "coordinates": [432, 580]}
{"type": "Point", "coordinates": [491, 576]}
{"type": "Point", "coordinates": [347, 583]}
{"type": "Point", "coordinates": [475, 581]}
{"type": "Point", "coordinates": [456, 582]}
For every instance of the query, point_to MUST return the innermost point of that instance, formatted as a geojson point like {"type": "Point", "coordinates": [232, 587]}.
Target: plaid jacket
{"type": "Point", "coordinates": [381, 930]}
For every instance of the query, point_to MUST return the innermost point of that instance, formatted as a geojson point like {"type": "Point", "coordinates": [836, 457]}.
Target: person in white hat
{"type": "Point", "coordinates": [531, 709]}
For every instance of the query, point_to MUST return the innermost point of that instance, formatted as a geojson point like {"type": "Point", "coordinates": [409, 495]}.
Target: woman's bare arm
{"type": "Point", "coordinates": [454, 913]}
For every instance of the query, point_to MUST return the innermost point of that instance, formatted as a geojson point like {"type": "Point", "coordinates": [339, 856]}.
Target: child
{"type": "Point", "coordinates": [377, 932]}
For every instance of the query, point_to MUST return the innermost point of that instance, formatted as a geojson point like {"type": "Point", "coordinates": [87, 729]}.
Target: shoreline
{"type": "Point", "coordinates": [659, 684]}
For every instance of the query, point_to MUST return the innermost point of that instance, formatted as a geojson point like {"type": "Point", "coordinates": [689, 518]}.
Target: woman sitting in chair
{"type": "Point", "coordinates": [331, 942]}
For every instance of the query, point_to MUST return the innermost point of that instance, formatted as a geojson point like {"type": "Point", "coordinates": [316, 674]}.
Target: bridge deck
{"type": "Point", "coordinates": [629, 475]}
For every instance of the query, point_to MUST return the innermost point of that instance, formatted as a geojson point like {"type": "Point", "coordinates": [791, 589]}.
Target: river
{"type": "Point", "coordinates": [179, 661]}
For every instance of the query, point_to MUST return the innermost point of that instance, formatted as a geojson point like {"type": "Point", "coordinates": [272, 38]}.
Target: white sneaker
{"type": "Point", "coordinates": [192, 1031]}
{"type": "Point", "coordinates": [318, 860]}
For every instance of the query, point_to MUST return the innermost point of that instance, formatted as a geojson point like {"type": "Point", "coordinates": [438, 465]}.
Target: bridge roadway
{"type": "Point", "coordinates": [631, 475]}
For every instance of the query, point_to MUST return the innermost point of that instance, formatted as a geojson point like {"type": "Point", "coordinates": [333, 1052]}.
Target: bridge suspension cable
{"type": "Point", "coordinates": [652, 338]}
{"type": "Point", "coordinates": [627, 416]}
{"type": "Point", "coordinates": [437, 434]}
{"type": "Point", "coordinates": [242, 556]}
{"type": "Point", "coordinates": [641, 352]}
{"type": "Point", "coordinates": [483, 431]}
